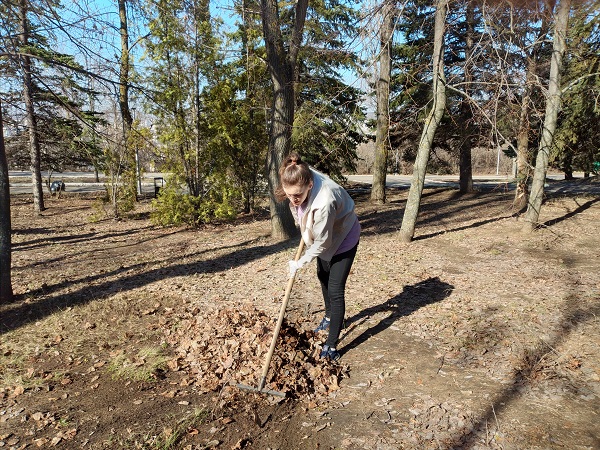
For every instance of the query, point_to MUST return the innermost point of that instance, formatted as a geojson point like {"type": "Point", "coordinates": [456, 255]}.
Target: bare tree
{"type": "Point", "coordinates": [382, 141]}
{"type": "Point", "coordinates": [34, 144]}
{"type": "Point", "coordinates": [124, 80]}
{"type": "Point", "coordinates": [552, 108]}
{"type": "Point", "coordinates": [6, 292]}
{"type": "Point", "coordinates": [465, 164]}
{"type": "Point", "coordinates": [524, 153]}
{"type": "Point", "coordinates": [124, 67]}
{"type": "Point", "coordinates": [282, 58]}
{"type": "Point", "coordinates": [407, 229]}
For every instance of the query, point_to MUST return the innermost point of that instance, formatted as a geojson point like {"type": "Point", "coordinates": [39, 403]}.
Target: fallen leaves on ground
{"type": "Point", "coordinates": [222, 349]}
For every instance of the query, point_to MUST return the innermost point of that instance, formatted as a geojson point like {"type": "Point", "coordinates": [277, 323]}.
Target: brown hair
{"type": "Point", "coordinates": [293, 172]}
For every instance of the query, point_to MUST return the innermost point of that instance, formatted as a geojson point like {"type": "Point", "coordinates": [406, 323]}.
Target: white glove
{"type": "Point", "coordinates": [294, 266]}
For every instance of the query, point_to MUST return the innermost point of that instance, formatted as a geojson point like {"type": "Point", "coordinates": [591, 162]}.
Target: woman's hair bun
{"type": "Point", "coordinates": [294, 158]}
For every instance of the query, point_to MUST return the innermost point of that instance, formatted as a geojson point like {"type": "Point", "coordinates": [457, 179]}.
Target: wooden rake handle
{"type": "Point", "coordinates": [284, 303]}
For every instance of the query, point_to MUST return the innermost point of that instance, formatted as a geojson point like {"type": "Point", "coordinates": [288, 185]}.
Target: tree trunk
{"type": "Point", "coordinates": [383, 104]}
{"type": "Point", "coordinates": [282, 66]}
{"type": "Point", "coordinates": [34, 144]}
{"type": "Point", "coordinates": [550, 118]}
{"type": "Point", "coordinates": [465, 164]}
{"type": "Point", "coordinates": [568, 166]}
{"type": "Point", "coordinates": [197, 125]}
{"type": "Point", "coordinates": [524, 155]}
{"type": "Point", "coordinates": [282, 222]}
{"type": "Point", "coordinates": [130, 175]}
{"type": "Point", "coordinates": [6, 292]}
{"type": "Point", "coordinates": [407, 229]}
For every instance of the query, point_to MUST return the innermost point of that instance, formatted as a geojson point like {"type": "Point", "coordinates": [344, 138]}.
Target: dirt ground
{"type": "Point", "coordinates": [475, 335]}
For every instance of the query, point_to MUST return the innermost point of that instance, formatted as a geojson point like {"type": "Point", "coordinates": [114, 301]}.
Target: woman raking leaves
{"type": "Point", "coordinates": [331, 231]}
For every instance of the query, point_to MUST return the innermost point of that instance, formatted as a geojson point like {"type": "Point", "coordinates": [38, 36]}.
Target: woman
{"type": "Point", "coordinates": [330, 230]}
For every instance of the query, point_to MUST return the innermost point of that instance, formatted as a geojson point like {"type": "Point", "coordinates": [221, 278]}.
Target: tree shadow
{"type": "Point", "coordinates": [93, 237]}
{"type": "Point", "coordinates": [574, 315]}
{"type": "Point", "coordinates": [411, 298]}
{"type": "Point", "coordinates": [31, 231]}
{"type": "Point", "coordinates": [480, 202]}
{"type": "Point", "coordinates": [435, 211]}
{"type": "Point", "coordinates": [73, 239]}
{"type": "Point", "coordinates": [54, 211]}
{"type": "Point", "coordinates": [479, 223]}
{"type": "Point", "coordinates": [28, 245]}
{"type": "Point", "coordinates": [570, 214]}
{"type": "Point", "coordinates": [15, 316]}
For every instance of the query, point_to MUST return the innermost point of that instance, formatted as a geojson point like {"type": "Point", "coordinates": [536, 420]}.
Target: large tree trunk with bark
{"type": "Point", "coordinates": [552, 108]}
{"type": "Point", "coordinates": [282, 65]}
{"type": "Point", "coordinates": [383, 104]}
{"type": "Point", "coordinates": [524, 154]}
{"type": "Point", "coordinates": [407, 229]}
{"type": "Point", "coordinates": [124, 66]}
{"type": "Point", "coordinates": [465, 165]}
{"type": "Point", "coordinates": [34, 143]}
{"type": "Point", "coordinates": [129, 177]}
{"type": "Point", "coordinates": [6, 292]}
{"type": "Point", "coordinates": [282, 222]}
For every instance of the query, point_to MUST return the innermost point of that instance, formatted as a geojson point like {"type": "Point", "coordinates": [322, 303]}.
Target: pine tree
{"type": "Point", "coordinates": [6, 292]}
{"type": "Point", "coordinates": [576, 145]}
{"type": "Point", "coordinates": [328, 110]}
{"type": "Point", "coordinates": [52, 96]}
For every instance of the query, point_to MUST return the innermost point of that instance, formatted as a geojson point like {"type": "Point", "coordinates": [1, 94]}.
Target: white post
{"type": "Point", "coordinates": [498, 161]}
{"type": "Point", "coordinates": [137, 168]}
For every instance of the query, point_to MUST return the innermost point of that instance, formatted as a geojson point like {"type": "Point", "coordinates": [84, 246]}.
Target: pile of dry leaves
{"type": "Point", "coordinates": [222, 349]}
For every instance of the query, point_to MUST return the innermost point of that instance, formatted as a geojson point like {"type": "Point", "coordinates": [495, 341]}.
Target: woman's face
{"type": "Point", "coordinates": [297, 193]}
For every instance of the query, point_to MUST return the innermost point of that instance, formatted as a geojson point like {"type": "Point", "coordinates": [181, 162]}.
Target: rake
{"type": "Point", "coordinates": [263, 378]}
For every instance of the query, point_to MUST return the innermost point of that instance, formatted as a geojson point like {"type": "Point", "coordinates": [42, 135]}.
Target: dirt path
{"type": "Point", "coordinates": [472, 336]}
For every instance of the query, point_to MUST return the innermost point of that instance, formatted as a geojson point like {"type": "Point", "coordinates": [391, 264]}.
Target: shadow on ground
{"type": "Point", "coordinates": [527, 371]}
{"type": "Point", "coordinates": [23, 311]}
{"type": "Point", "coordinates": [411, 298]}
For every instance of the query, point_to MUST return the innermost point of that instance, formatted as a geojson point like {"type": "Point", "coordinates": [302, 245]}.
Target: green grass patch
{"type": "Point", "coordinates": [143, 367]}
{"type": "Point", "coordinates": [170, 438]}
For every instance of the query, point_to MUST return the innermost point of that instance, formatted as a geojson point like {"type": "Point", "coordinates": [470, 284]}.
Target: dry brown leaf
{"type": "Point", "coordinates": [173, 365]}
{"type": "Point", "coordinates": [40, 442]}
{"type": "Point", "coordinates": [70, 434]}
{"type": "Point", "coordinates": [18, 391]}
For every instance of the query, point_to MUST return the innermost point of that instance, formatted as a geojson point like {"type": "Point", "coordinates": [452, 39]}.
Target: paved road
{"type": "Point", "coordinates": [555, 183]}
{"type": "Point", "coordinates": [431, 181]}
{"type": "Point", "coordinates": [77, 182]}
{"type": "Point", "coordinates": [25, 188]}
{"type": "Point", "coordinates": [20, 182]}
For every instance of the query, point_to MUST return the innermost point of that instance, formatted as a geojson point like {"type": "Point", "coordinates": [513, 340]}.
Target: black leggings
{"type": "Point", "coordinates": [333, 275]}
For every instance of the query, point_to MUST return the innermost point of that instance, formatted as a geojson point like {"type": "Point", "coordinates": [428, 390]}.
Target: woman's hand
{"type": "Point", "coordinates": [294, 266]}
